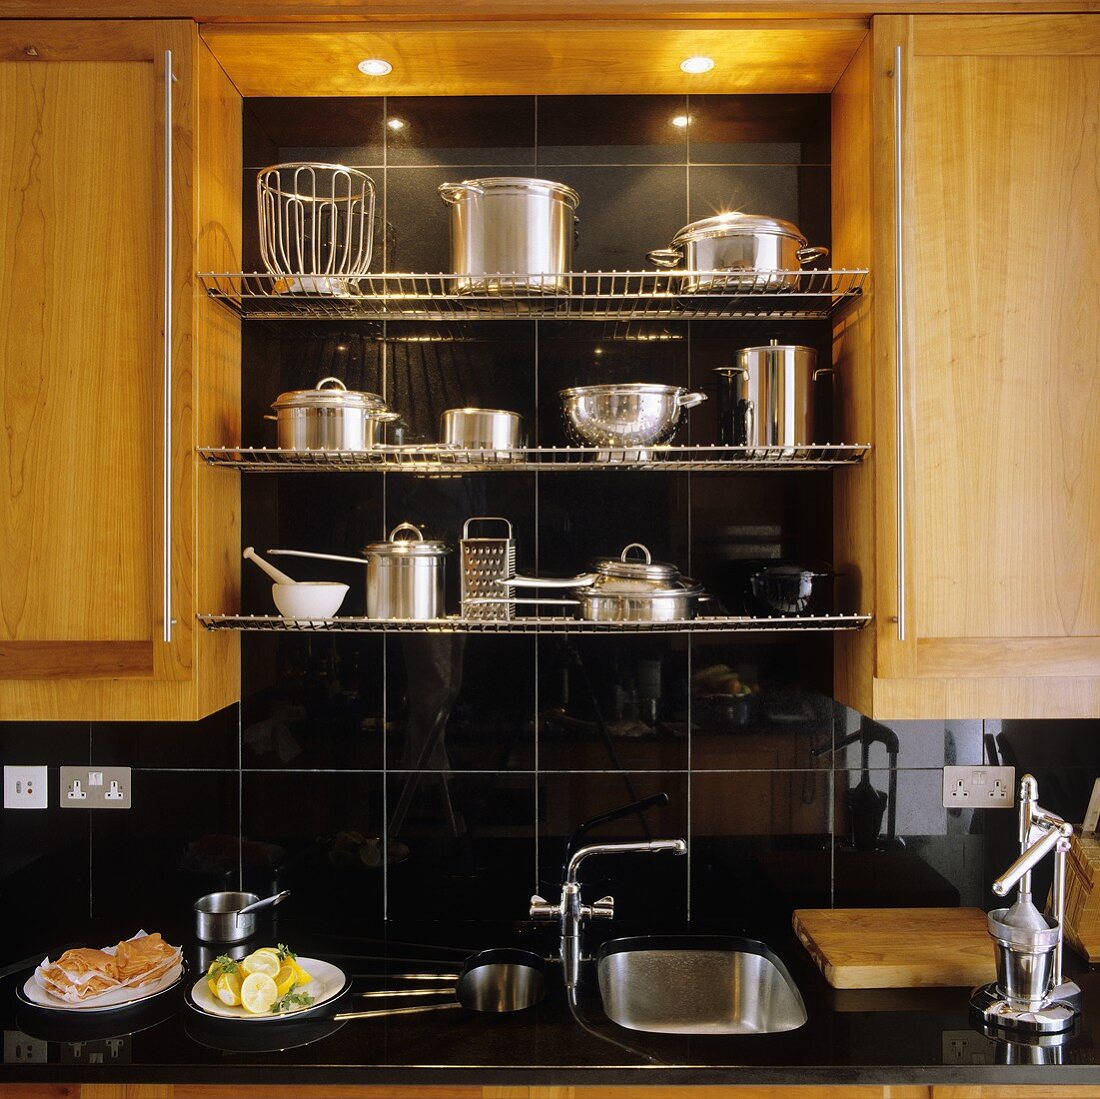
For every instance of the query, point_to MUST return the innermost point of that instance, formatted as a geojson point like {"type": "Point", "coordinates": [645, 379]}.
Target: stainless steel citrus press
{"type": "Point", "coordinates": [1030, 993]}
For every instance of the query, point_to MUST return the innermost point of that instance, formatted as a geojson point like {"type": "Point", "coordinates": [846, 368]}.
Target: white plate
{"type": "Point", "coordinates": [328, 982]}
{"type": "Point", "coordinates": [35, 996]}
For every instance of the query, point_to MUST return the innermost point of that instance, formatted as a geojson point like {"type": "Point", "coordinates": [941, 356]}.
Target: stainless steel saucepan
{"type": "Point", "coordinates": [231, 917]}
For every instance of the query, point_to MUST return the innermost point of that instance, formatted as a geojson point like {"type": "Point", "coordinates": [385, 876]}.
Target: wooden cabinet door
{"type": "Point", "coordinates": [990, 476]}
{"type": "Point", "coordinates": [97, 477]}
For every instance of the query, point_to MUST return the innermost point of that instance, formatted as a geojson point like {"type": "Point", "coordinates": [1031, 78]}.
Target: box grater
{"type": "Point", "coordinates": [484, 562]}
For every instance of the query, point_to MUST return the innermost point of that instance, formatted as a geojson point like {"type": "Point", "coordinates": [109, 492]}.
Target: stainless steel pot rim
{"type": "Point", "coordinates": [520, 184]}
{"type": "Point", "coordinates": [622, 389]}
{"type": "Point", "coordinates": [627, 589]}
{"type": "Point", "coordinates": [770, 347]}
{"type": "Point", "coordinates": [723, 225]}
{"type": "Point", "coordinates": [483, 412]}
{"type": "Point", "coordinates": [340, 397]}
{"type": "Point", "coordinates": [216, 902]}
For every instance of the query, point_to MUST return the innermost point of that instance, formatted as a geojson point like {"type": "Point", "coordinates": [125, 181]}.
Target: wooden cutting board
{"type": "Point", "coordinates": [897, 947]}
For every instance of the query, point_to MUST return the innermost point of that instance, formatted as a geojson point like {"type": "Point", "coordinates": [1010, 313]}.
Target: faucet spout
{"type": "Point", "coordinates": [677, 847]}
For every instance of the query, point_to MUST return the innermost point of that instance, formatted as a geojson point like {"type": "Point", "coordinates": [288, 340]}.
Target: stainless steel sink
{"type": "Point", "coordinates": [706, 984]}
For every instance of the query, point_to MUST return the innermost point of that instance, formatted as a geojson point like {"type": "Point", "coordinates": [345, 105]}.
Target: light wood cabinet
{"type": "Point", "coordinates": [95, 468]}
{"type": "Point", "coordinates": [972, 532]}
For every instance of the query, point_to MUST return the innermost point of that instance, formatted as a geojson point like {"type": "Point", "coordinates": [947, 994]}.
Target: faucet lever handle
{"type": "Point", "coordinates": [603, 909]}
{"type": "Point", "coordinates": [541, 909]}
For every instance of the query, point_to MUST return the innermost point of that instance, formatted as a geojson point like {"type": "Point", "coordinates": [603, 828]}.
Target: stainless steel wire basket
{"type": "Point", "coordinates": [316, 220]}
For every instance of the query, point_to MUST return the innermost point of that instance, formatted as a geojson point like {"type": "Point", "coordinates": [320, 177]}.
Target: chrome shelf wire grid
{"type": "Point", "coordinates": [595, 295]}
{"type": "Point", "coordinates": [521, 625]}
{"type": "Point", "coordinates": [436, 459]}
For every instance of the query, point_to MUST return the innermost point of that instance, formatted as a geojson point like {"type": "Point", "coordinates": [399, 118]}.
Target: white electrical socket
{"type": "Point", "coordinates": [25, 788]}
{"type": "Point", "coordinates": [979, 787]}
{"type": "Point", "coordinates": [95, 787]}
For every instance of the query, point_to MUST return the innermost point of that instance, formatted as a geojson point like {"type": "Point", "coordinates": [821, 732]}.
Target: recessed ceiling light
{"type": "Point", "coordinates": [697, 64]}
{"type": "Point", "coordinates": [374, 66]}
{"type": "Point", "coordinates": [682, 121]}
{"type": "Point", "coordinates": [396, 123]}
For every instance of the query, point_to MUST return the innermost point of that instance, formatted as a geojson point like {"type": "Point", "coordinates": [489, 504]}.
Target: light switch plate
{"type": "Point", "coordinates": [95, 787]}
{"type": "Point", "coordinates": [26, 787]}
{"type": "Point", "coordinates": [22, 1049]}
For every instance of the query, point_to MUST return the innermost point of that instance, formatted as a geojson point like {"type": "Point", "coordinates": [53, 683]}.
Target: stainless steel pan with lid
{"type": "Point", "coordinates": [330, 417]}
{"type": "Point", "coordinates": [751, 246]}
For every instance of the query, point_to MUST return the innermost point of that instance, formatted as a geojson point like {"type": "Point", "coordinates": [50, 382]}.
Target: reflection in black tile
{"type": "Point", "coordinates": [327, 829]}
{"type": "Point", "coordinates": [212, 743]}
{"type": "Point", "coordinates": [613, 704]}
{"type": "Point", "coordinates": [460, 703]}
{"type": "Point", "coordinates": [483, 130]}
{"type": "Point", "coordinates": [612, 129]}
{"type": "Point", "coordinates": [179, 840]}
{"type": "Point", "coordinates": [468, 838]}
{"type": "Point", "coordinates": [771, 191]}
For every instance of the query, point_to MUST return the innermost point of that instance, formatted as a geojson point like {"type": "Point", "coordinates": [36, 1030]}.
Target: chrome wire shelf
{"type": "Point", "coordinates": [594, 295]}
{"type": "Point", "coordinates": [435, 459]}
{"type": "Point", "coordinates": [555, 625]}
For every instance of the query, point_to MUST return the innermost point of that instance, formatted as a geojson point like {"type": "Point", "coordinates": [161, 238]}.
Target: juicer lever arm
{"type": "Point", "coordinates": [1032, 857]}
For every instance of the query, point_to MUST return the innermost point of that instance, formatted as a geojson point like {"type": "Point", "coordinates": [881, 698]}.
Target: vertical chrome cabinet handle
{"type": "Point", "coordinates": [167, 405]}
{"type": "Point", "coordinates": [899, 338]}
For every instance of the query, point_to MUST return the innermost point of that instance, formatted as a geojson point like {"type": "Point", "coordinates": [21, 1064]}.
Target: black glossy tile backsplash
{"type": "Point", "coordinates": [422, 774]}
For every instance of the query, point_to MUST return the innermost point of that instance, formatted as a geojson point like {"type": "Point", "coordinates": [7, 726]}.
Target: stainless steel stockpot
{"type": "Point", "coordinates": [405, 576]}
{"type": "Point", "coordinates": [769, 399]}
{"type": "Point", "coordinates": [511, 233]}
{"type": "Point", "coordinates": [480, 428]}
{"type": "Point", "coordinates": [736, 242]}
{"type": "Point", "coordinates": [627, 414]}
{"type": "Point", "coordinates": [330, 417]}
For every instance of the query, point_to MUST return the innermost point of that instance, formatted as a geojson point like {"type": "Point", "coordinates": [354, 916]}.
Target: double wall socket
{"type": "Point", "coordinates": [979, 787]}
{"type": "Point", "coordinates": [95, 787]}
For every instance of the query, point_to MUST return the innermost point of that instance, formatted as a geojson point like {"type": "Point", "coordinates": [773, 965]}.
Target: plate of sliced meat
{"type": "Point", "coordinates": [85, 979]}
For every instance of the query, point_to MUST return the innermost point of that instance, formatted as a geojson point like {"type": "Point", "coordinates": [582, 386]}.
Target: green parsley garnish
{"type": "Point", "coordinates": [285, 952]}
{"type": "Point", "coordinates": [291, 1001]}
{"type": "Point", "coordinates": [223, 963]}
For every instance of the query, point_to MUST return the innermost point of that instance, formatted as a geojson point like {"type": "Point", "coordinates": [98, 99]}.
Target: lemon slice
{"type": "Point", "coordinates": [260, 962]}
{"type": "Point", "coordinates": [285, 979]}
{"type": "Point", "coordinates": [258, 993]}
{"type": "Point", "coordinates": [268, 950]}
{"type": "Point", "coordinates": [228, 989]}
{"type": "Point", "coordinates": [303, 977]}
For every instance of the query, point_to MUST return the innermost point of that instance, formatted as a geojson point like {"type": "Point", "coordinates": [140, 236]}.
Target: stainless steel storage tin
{"type": "Point", "coordinates": [774, 388]}
{"type": "Point", "coordinates": [480, 428]}
{"type": "Point", "coordinates": [330, 417]}
{"type": "Point", "coordinates": [511, 233]}
{"type": "Point", "coordinates": [485, 562]}
{"type": "Point", "coordinates": [748, 243]}
{"type": "Point", "coordinates": [405, 576]}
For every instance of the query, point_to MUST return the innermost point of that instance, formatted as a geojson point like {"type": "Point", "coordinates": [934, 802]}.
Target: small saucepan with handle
{"type": "Point", "coordinates": [231, 917]}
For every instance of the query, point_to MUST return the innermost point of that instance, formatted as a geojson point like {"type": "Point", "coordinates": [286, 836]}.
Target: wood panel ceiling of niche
{"type": "Point", "coordinates": [759, 56]}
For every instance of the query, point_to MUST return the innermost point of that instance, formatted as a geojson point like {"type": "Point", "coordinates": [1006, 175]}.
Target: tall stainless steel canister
{"type": "Point", "coordinates": [770, 402]}
{"type": "Point", "coordinates": [405, 576]}
{"type": "Point", "coordinates": [513, 226]}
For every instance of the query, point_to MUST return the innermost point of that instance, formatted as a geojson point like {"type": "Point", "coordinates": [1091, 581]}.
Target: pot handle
{"type": "Point", "coordinates": [585, 580]}
{"type": "Point", "coordinates": [318, 556]}
{"type": "Point", "coordinates": [690, 400]}
{"type": "Point", "coordinates": [382, 417]}
{"type": "Point", "coordinates": [409, 527]}
{"type": "Point", "coordinates": [646, 555]}
{"type": "Point", "coordinates": [324, 381]}
{"type": "Point", "coordinates": [665, 257]}
{"type": "Point", "coordinates": [270, 417]}
{"type": "Point", "coordinates": [808, 255]}
{"type": "Point", "coordinates": [451, 193]}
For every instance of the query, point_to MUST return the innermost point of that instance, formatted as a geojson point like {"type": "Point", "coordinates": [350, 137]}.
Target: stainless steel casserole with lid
{"type": "Point", "coordinates": [511, 233]}
{"type": "Point", "coordinates": [330, 417]}
{"type": "Point", "coordinates": [624, 590]}
{"type": "Point", "coordinates": [750, 243]}
{"type": "Point", "coordinates": [626, 414]}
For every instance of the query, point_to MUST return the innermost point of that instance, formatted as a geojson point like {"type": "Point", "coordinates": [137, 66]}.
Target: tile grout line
{"type": "Point", "coordinates": [535, 723]}
{"type": "Point", "coordinates": [690, 653]}
{"type": "Point", "coordinates": [240, 795]}
{"type": "Point", "coordinates": [385, 368]}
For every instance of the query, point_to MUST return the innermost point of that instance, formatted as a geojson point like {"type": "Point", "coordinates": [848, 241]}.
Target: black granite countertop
{"type": "Point", "coordinates": [871, 1037]}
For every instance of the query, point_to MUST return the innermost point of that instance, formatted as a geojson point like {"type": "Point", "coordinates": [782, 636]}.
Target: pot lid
{"type": "Point", "coordinates": [623, 568]}
{"type": "Point", "coordinates": [516, 184]}
{"type": "Point", "coordinates": [415, 546]}
{"type": "Point", "coordinates": [339, 396]}
{"type": "Point", "coordinates": [721, 225]}
{"type": "Point", "coordinates": [775, 345]}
